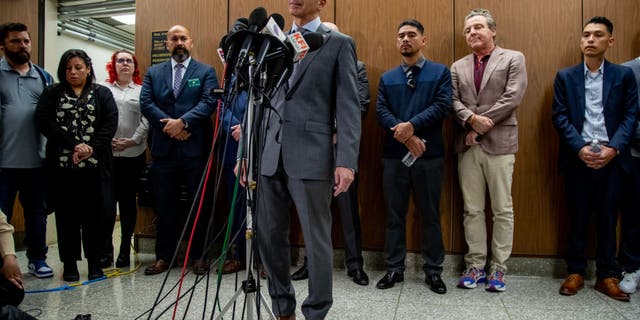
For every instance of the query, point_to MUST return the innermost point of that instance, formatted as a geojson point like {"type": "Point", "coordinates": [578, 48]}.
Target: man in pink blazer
{"type": "Point", "coordinates": [488, 85]}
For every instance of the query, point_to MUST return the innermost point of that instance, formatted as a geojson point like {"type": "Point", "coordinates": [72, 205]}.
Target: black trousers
{"type": "Point", "coordinates": [629, 251]}
{"type": "Point", "coordinates": [424, 179]}
{"type": "Point", "coordinates": [590, 192]}
{"type": "Point", "coordinates": [79, 213]}
{"type": "Point", "coordinates": [166, 177]}
{"type": "Point", "coordinates": [347, 203]}
{"type": "Point", "coordinates": [126, 172]}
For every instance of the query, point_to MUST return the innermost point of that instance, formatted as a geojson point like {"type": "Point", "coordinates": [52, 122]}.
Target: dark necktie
{"type": "Point", "coordinates": [177, 80]}
{"type": "Point", "coordinates": [411, 81]}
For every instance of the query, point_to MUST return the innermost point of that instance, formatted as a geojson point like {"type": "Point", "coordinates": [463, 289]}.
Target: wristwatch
{"type": "Point", "coordinates": [186, 125]}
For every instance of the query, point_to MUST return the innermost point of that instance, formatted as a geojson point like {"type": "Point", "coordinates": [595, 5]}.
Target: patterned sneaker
{"type": "Point", "coordinates": [471, 277]}
{"type": "Point", "coordinates": [40, 269]}
{"type": "Point", "coordinates": [630, 281]}
{"type": "Point", "coordinates": [496, 282]}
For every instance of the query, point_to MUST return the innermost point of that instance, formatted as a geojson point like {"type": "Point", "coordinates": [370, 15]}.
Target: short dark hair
{"type": "Point", "coordinates": [10, 27]}
{"type": "Point", "coordinates": [601, 20]}
{"type": "Point", "coordinates": [412, 22]}
{"type": "Point", "coordinates": [62, 67]}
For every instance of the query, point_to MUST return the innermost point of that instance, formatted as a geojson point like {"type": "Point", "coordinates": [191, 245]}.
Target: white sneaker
{"type": "Point", "coordinates": [630, 282]}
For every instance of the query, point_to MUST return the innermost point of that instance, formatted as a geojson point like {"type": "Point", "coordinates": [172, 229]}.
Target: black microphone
{"type": "Point", "coordinates": [279, 19]}
{"type": "Point", "coordinates": [239, 25]}
{"type": "Point", "coordinates": [257, 21]}
{"type": "Point", "coordinates": [314, 40]}
{"type": "Point", "coordinates": [270, 34]}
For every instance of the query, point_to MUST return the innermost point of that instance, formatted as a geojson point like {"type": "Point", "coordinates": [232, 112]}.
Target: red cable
{"type": "Point", "coordinates": [204, 189]}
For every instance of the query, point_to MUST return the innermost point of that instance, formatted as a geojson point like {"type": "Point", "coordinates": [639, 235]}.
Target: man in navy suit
{"type": "Point", "coordinates": [176, 99]}
{"type": "Point", "coordinates": [594, 111]}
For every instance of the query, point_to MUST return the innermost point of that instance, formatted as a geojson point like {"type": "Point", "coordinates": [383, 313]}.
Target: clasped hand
{"type": "Point", "coordinates": [175, 129]}
{"type": "Point", "coordinates": [597, 160]}
{"type": "Point", "coordinates": [81, 152]}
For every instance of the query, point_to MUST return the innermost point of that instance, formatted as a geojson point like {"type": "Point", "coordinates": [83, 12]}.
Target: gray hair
{"type": "Point", "coordinates": [485, 13]}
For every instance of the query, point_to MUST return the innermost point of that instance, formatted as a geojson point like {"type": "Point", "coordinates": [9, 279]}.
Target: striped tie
{"type": "Point", "coordinates": [177, 80]}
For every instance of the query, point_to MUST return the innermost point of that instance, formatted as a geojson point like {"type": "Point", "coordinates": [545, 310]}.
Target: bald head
{"type": "Point", "coordinates": [331, 26]}
{"type": "Point", "coordinates": [179, 43]}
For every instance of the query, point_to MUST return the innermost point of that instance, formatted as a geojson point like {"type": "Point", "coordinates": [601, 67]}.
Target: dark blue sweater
{"type": "Point", "coordinates": [425, 107]}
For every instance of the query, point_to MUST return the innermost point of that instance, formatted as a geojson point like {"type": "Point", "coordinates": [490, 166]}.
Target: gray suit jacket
{"type": "Point", "coordinates": [501, 90]}
{"type": "Point", "coordinates": [635, 140]}
{"type": "Point", "coordinates": [325, 100]}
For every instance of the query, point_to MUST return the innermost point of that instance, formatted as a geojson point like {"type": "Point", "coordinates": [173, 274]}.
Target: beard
{"type": "Point", "coordinates": [20, 57]}
{"type": "Point", "coordinates": [180, 54]}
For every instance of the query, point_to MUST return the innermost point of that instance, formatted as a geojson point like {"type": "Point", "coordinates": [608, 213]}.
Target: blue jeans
{"type": "Point", "coordinates": [30, 185]}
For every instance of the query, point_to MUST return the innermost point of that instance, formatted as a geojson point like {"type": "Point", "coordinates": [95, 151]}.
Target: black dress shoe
{"type": "Point", "coordinates": [70, 272]}
{"type": "Point", "coordinates": [358, 276]}
{"type": "Point", "coordinates": [436, 284]}
{"type": "Point", "coordinates": [390, 279]}
{"type": "Point", "coordinates": [95, 270]}
{"type": "Point", "coordinates": [123, 261]}
{"type": "Point", "coordinates": [106, 262]}
{"type": "Point", "coordinates": [301, 273]}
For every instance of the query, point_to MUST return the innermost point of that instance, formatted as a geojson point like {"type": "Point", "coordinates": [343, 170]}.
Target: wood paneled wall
{"type": "Point", "coordinates": [546, 31]}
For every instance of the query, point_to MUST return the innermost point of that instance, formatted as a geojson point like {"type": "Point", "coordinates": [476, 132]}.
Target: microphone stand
{"type": "Point", "coordinates": [250, 143]}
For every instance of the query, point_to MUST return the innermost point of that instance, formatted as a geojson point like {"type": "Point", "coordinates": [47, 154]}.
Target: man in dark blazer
{"type": "Point", "coordinates": [413, 100]}
{"type": "Point", "coordinates": [629, 249]}
{"type": "Point", "coordinates": [594, 111]}
{"type": "Point", "coordinates": [299, 163]}
{"type": "Point", "coordinates": [176, 99]}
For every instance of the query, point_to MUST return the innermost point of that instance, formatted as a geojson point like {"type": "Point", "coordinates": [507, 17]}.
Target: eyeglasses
{"type": "Point", "coordinates": [123, 60]}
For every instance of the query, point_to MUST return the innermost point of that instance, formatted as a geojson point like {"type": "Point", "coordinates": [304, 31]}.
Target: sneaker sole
{"type": "Point", "coordinates": [41, 275]}
{"type": "Point", "coordinates": [495, 289]}
{"type": "Point", "coordinates": [625, 290]}
{"type": "Point", "coordinates": [474, 285]}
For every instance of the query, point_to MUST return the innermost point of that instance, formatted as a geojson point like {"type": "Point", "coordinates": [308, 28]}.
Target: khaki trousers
{"type": "Point", "coordinates": [478, 170]}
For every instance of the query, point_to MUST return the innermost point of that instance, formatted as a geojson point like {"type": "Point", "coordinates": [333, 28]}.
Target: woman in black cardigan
{"type": "Point", "coordinates": [79, 118]}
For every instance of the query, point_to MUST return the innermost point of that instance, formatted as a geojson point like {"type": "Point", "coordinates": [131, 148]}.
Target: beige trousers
{"type": "Point", "coordinates": [478, 170]}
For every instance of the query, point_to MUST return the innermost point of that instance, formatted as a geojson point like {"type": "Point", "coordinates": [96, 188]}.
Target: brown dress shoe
{"type": "Point", "coordinates": [291, 317]}
{"type": "Point", "coordinates": [200, 266]}
{"type": "Point", "coordinates": [157, 267]}
{"type": "Point", "coordinates": [609, 286]}
{"type": "Point", "coordinates": [572, 284]}
{"type": "Point", "coordinates": [231, 266]}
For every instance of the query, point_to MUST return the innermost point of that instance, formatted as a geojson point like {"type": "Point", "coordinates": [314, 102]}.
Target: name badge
{"type": "Point", "coordinates": [193, 82]}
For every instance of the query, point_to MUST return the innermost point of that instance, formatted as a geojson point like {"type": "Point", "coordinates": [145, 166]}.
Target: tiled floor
{"type": "Point", "coordinates": [129, 296]}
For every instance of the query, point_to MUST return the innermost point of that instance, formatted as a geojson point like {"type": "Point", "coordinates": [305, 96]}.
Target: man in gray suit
{"type": "Point", "coordinates": [488, 86]}
{"type": "Point", "coordinates": [299, 164]}
{"type": "Point", "coordinates": [629, 250]}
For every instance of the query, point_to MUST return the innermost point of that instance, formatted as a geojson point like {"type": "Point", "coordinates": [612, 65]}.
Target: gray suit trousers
{"type": "Point", "coordinates": [275, 194]}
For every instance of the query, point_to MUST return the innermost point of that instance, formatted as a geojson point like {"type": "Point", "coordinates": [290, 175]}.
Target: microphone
{"type": "Point", "coordinates": [240, 24]}
{"type": "Point", "coordinates": [257, 21]}
{"type": "Point", "coordinates": [272, 33]}
{"type": "Point", "coordinates": [274, 27]}
{"type": "Point", "coordinates": [313, 41]}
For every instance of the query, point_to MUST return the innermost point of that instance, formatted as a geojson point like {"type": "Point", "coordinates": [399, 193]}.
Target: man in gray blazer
{"type": "Point", "coordinates": [488, 86]}
{"type": "Point", "coordinates": [298, 162]}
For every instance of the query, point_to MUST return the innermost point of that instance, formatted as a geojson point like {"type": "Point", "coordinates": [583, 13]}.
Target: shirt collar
{"type": "Point", "coordinates": [312, 25]}
{"type": "Point", "coordinates": [184, 63]}
{"type": "Point", "coordinates": [586, 69]}
{"type": "Point", "coordinates": [115, 84]}
{"type": "Point", "coordinates": [4, 66]}
{"type": "Point", "coordinates": [420, 63]}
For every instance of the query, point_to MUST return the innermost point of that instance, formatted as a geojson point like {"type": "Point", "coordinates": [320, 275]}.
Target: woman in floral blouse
{"type": "Point", "coordinates": [78, 118]}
